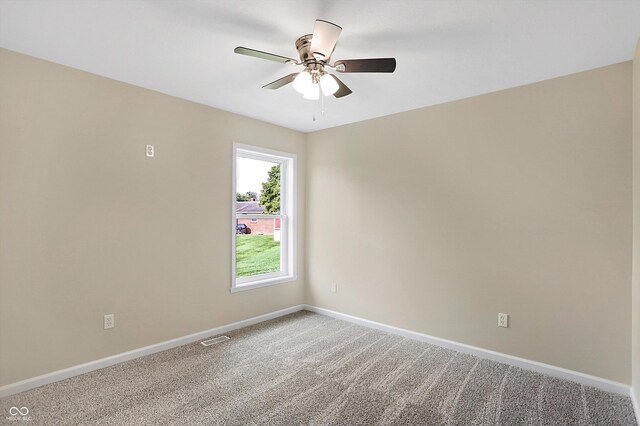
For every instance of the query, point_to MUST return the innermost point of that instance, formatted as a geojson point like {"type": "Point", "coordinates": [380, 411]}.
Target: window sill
{"type": "Point", "coordinates": [263, 283]}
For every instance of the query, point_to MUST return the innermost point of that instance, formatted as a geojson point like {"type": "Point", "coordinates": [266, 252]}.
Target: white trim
{"type": "Point", "coordinates": [234, 221]}
{"type": "Point", "coordinates": [288, 211]}
{"type": "Point", "coordinates": [277, 156]}
{"type": "Point", "coordinates": [263, 283]}
{"type": "Point", "coordinates": [634, 402]}
{"type": "Point", "coordinates": [56, 376]}
{"type": "Point", "coordinates": [563, 373]}
{"type": "Point", "coordinates": [551, 370]}
{"type": "Point", "coordinates": [260, 278]}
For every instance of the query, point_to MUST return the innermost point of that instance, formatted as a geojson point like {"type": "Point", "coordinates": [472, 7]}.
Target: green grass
{"type": "Point", "coordinates": [256, 254]}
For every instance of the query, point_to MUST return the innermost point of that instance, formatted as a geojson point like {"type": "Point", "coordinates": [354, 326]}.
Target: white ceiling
{"type": "Point", "coordinates": [445, 50]}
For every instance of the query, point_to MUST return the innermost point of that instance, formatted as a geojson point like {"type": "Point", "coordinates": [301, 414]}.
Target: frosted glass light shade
{"type": "Point", "coordinates": [325, 36]}
{"type": "Point", "coordinates": [302, 82]}
{"type": "Point", "coordinates": [328, 84]}
{"type": "Point", "coordinates": [312, 92]}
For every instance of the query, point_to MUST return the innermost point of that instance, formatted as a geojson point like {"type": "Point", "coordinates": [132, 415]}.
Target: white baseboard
{"type": "Point", "coordinates": [56, 376]}
{"type": "Point", "coordinates": [563, 373]}
{"type": "Point", "coordinates": [636, 407]}
{"type": "Point", "coordinates": [585, 379]}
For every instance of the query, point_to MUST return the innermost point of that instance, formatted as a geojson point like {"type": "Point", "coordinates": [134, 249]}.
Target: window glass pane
{"type": "Point", "coordinates": [263, 207]}
{"type": "Point", "coordinates": [257, 246]}
{"type": "Point", "coordinates": [257, 186]}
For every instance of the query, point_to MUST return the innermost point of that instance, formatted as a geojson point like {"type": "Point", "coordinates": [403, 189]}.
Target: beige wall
{"type": "Point", "coordinates": [636, 225]}
{"type": "Point", "coordinates": [89, 226]}
{"type": "Point", "coordinates": [517, 201]}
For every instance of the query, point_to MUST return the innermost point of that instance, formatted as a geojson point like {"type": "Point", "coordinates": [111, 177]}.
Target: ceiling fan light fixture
{"type": "Point", "coordinates": [328, 84]}
{"type": "Point", "coordinates": [302, 82]}
{"type": "Point", "coordinates": [324, 38]}
{"type": "Point", "coordinates": [312, 92]}
{"type": "Point", "coordinates": [315, 52]}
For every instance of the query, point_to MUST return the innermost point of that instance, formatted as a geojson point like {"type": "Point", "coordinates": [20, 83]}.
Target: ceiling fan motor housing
{"type": "Point", "coordinates": [315, 54]}
{"type": "Point", "coordinates": [303, 45]}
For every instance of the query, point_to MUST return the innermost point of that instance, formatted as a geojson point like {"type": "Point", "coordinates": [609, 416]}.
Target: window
{"type": "Point", "coordinates": [263, 217]}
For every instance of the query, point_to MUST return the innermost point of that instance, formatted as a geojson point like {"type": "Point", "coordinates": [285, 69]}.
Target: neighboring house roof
{"type": "Point", "coordinates": [249, 207]}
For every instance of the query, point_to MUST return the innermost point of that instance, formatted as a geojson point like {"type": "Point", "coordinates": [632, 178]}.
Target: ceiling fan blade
{"type": "Point", "coordinates": [281, 81]}
{"type": "Point", "coordinates": [263, 55]}
{"type": "Point", "coordinates": [324, 39]}
{"type": "Point", "coordinates": [343, 90]}
{"type": "Point", "coordinates": [366, 65]}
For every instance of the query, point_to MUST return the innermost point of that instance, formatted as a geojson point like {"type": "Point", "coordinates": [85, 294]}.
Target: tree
{"type": "Point", "coordinates": [270, 194]}
{"type": "Point", "coordinates": [247, 196]}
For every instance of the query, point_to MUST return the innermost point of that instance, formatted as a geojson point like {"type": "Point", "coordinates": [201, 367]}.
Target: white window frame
{"type": "Point", "coordinates": [287, 216]}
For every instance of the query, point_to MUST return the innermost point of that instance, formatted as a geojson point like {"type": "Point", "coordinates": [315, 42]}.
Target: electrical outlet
{"type": "Point", "coordinates": [109, 321]}
{"type": "Point", "coordinates": [150, 151]}
{"type": "Point", "coordinates": [334, 288]}
{"type": "Point", "coordinates": [503, 320]}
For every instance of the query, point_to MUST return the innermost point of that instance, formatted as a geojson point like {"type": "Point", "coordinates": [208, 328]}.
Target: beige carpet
{"type": "Point", "coordinates": [311, 369]}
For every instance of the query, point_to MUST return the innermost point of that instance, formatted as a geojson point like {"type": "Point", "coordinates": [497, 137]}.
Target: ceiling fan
{"type": "Point", "coordinates": [315, 52]}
